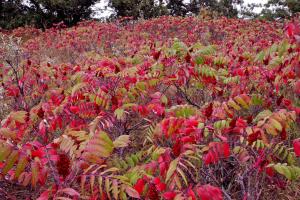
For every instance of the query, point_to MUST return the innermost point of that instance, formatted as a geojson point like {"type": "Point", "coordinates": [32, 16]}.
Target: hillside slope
{"type": "Point", "coordinates": [168, 108]}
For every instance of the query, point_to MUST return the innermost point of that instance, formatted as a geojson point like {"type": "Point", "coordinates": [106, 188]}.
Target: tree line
{"type": "Point", "coordinates": [45, 13]}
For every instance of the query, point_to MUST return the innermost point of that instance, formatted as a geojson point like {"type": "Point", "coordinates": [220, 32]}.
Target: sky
{"type": "Point", "coordinates": [105, 12]}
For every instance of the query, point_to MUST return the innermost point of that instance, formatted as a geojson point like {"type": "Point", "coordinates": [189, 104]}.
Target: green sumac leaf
{"type": "Point", "coordinates": [5, 151]}
{"type": "Point", "coordinates": [179, 46]}
{"type": "Point", "coordinates": [273, 48]}
{"type": "Point", "coordinates": [23, 161]}
{"type": "Point", "coordinates": [256, 100]}
{"type": "Point", "coordinates": [141, 86]}
{"type": "Point", "coordinates": [290, 172]}
{"type": "Point", "coordinates": [34, 172]}
{"type": "Point", "coordinates": [207, 50]}
{"type": "Point", "coordinates": [276, 61]}
{"type": "Point", "coordinates": [12, 158]}
{"type": "Point", "coordinates": [164, 99]}
{"type": "Point", "coordinates": [260, 57]}
{"type": "Point", "coordinates": [130, 161]}
{"type": "Point", "coordinates": [199, 60]}
{"type": "Point", "coordinates": [262, 115]}
{"type": "Point", "coordinates": [119, 113]}
{"type": "Point", "coordinates": [282, 49]}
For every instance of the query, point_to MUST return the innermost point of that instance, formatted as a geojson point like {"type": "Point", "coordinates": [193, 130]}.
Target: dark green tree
{"type": "Point", "coordinates": [138, 8]}
{"type": "Point", "coordinates": [227, 7]}
{"type": "Point", "coordinates": [279, 9]}
{"type": "Point", "coordinates": [196, 5]}
{"type": "Point", "coordinates": [223, 7]}
{"type": "Point", "coordinates": [43, 13]}
{"type": "Point", "coordinates": [177, 7]}
{"type": "Point", "coordinates": [13, 14]}
{"type": "Point", "coordinates": [247, 10]}
{"type": "Point", "coordinates": [68, 11]}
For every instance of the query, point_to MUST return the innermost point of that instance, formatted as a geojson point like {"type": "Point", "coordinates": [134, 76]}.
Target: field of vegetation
{"type": "Point", "coordinates": [170, 108]}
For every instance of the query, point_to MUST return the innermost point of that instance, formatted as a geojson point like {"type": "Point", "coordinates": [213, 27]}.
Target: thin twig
{"type": "Point", "coordinates": [184, 95]}
{"type": "Point", "coordinates": [226, 194]}
{"type": "Point", "coordinates": [56, 179]}
{"type": "Point", "coordinates": [135, 126]}
{"type": "Point", "coordinates": [16, 76]}
{"type": "Point", "coordinates": [10, 197]}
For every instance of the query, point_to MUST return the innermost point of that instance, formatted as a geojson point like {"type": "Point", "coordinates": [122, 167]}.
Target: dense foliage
{"type": "Point", "coordinates": [46, 13]}
{"type": "Point", "coordinates": [43, 13]}
{"type": "Point", "coordinates": [168, 108]}
{"type": "Point", "coordinates": [281, 8]}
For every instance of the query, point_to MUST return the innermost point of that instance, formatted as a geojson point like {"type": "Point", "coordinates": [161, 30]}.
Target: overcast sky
{"type": "Point", "coordinates": [107, 12]}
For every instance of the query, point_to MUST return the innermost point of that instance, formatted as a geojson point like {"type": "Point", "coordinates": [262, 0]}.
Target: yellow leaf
{"type": "Point", "coordinates": [121, 141]}
{"type": "Point", "coordinates": [233, 105]}
{"type": "Point", "coordinates": [113, 169]}
{"type": "Point", "coordinates": [5, 151]}
{"type": "Point", "coordinates": [177, 181]}
{"type": "Point", "coordinates": [276, 124]}
{"type": "Point", "coordinates": [21, 166]}
{"type": "Point", "coordinates": [246, 98]}
{"type": "Point", "coordinates": [62, 198]}
{"type": "Point", "coordinates": [241, 102]}
{"type": "Point", "coordinates": [119, 113]}
{"type": "Point", "coordinates": [115, 189]}
{"type": "Point", "coordinates": [19, 116]}
{"type": "Point", "coordinates": [92, 158]}
{"type": "Point", "coordinates": [226, 108]}
{"type": "Point", "coordinates": [164, 99]}
{"type": "Point", "coordinates": [7, 133]}
{"type": "Point", "coordinates": [100, 180]}
{"type": "Point", "coordinates": [179, 197]}
{"type": "Point", "coordinates": [270, 130]}
{"type": "Point", "coordinates": [100, 145]}
{"type": "Point", "coordinates": [12, 158]}
{"type": "Point", "coordinates": [98, 150]}
{"type": "Point", "coordinates": [107, 187]}
{"type": "Point", "coordinates": [77, 87]}
{"type": "Point", "coordinates": [35, 173]}
{"type": "Point", "coordinates": [182, 175]}
{"type": "Point", "coordinates": [172, 168]}
{"type": "Point", "coordinates": [141, 86]}
{"type": "Point", "coordinates": [262, 115]}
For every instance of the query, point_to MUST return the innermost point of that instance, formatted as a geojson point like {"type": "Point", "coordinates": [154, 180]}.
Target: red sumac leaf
{"type": "Point", "coordinates": [169, 195]}
{"type": "Point", "coordinates": [297, 87]}
{"type": "Point", "coordinates": [208, 192]}
{"type": "Point", "coordinates": [132, 192]}
{"type": "Point", "coordinates": [296, 144]}
{"type": "Point", "coordinates": [69, 191]}
{"type": "Point", "coordinates": [74, 109]}
{"type": "Point", "coordinates": [139, 186]}
{"type": "Point", "coordinates": [44, 196]}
